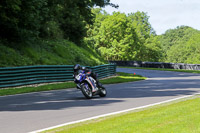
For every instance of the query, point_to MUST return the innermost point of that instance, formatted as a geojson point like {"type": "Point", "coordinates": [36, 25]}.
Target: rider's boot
{"type": "Point", "coordinates": [98, 83]}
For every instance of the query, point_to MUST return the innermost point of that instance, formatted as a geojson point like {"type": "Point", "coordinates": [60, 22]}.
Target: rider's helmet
{"type": "Point", "coordinates": [77, 67]}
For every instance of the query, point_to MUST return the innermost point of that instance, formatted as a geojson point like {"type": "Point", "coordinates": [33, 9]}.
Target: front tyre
{"type": "Point", "coordinates": [86, 90]}
{"type": "Point", "coordinates": [102, 92]}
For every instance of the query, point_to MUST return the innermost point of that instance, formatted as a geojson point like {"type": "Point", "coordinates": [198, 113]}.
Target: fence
{"type": "Point", "coordinates": [157, 65]}
{"type": "Point", "coordinates": [26, 75]}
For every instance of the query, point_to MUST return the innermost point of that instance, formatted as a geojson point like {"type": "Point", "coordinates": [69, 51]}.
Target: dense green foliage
{"type": "Point", "coordinates": [32, 32]}
{"type": "Point", "coordinates": [30, 19]}
{"type": "Point", "coordinates": [130, 37]}
{"type": "Point", "coordinates": [36, 32]}
{"type": "Point", "coordinates": [181, 45]}
{"type": "Point", "coordinates": [124, 37]}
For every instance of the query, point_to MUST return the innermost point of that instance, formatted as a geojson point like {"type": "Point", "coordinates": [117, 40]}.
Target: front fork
{"type": "Point", "coordinates": [78, 86]}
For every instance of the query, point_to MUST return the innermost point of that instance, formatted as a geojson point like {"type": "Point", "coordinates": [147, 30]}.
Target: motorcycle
{"type": "Point", "coordinates": [88, 85]}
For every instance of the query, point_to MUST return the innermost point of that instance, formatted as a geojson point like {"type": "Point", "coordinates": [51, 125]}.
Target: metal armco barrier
{"type": "Point", "coordinates": [27, 75]}
{"type": "Point", "coordinates": [103, 71]}
{"type": "Point", "coordinates": [157, 65]}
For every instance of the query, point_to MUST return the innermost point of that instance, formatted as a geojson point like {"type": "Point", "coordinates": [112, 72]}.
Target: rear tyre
{"type": "Point", "coordinates": [103, 91]}
{"type": "Point", "coordinates": [86, 90]}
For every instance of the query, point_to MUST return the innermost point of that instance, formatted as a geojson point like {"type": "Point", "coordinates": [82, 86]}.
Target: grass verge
{"type": "Point", "coordinates": [164, 69]}
{"type": "Point", "coordinates": [47, 52]}
{"type": "Point", "coordinates": [120, 78]}
{"type": "Point", "coordinates": [177, 117]}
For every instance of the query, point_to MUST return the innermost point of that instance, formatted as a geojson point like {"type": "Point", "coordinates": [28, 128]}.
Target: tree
{"type": "Point", "coordinates": [147, 40]}
{"type": "Point", "coordinates": [29, 19]}
{"type": "Point", "coordinates": [76, 15]}
{"type": "Point", "coordinates": [124, 37]}
{"type": "Point", "coordinates": [175, 44]}
{"type": "Point", "coordinates": [188, 52]}
{"type": "Point", "coordinates": [93, 30]}
{"type": "Point", "coordinates": [116, 37]}
{"type": "Point", "coordinates": [20, 19]}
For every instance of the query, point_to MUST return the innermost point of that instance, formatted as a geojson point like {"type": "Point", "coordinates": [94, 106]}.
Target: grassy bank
{"type": "Point", "coordinates": [47, 52]}
{"type": "Point", "coordinates": [163, 69]}
{"type": "Point", "coordinates": [120, 78]}
{"type": "Point", "coordinates": [179, 117]}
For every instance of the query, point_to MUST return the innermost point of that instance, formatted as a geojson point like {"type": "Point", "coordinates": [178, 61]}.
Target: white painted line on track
{"type": "Point", "coordinates": [113, 113]}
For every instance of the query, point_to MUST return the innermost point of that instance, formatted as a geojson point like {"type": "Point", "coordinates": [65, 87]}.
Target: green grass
{"type": "Point", "coordinates": [176, 117]}
{"type": "Point", "coordinates": [48, 87]}
{"type": "Point", "coordinates": [164, 69]}
{"type": "Point", "coordinates": [122, 77]}
{"type": "Point", "coordinates": [47, 52]}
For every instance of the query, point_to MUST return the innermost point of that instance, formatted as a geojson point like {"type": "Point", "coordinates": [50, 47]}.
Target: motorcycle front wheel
{"type": "Point", "coordinates": [86, 90]}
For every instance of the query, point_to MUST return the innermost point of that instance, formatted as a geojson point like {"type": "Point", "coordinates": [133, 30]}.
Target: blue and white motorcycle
{"type": "Point", "coordinates": [88, 85]}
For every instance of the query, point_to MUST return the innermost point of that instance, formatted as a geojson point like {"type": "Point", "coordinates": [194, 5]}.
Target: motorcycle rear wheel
{"type": "Point", "coordinates": [86, 90]}
{"type": "Point", "coordinates": [102, 92]}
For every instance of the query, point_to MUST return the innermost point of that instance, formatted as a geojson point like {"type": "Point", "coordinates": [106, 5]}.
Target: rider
{"type": "Point", "coordinates": [89, 72]}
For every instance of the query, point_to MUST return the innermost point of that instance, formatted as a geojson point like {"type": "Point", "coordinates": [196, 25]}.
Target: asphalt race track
{"type": "Point", "coordinates": [34, 111]}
